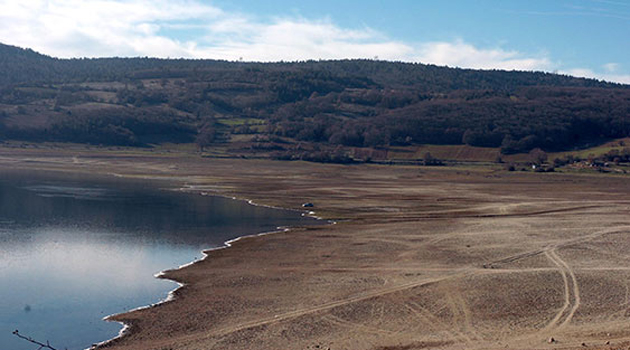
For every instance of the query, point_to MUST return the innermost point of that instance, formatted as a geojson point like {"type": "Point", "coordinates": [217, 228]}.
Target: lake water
{"type": "Point", "coordinates": [74, 250]}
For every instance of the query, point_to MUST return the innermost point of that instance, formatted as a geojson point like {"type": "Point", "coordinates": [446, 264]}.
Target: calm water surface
{"type": "Point", "coordinates": [73, 250]}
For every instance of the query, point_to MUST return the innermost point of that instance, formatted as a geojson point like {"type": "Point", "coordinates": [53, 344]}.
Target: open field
{"type": "Point", "coordinates": [448, 258]}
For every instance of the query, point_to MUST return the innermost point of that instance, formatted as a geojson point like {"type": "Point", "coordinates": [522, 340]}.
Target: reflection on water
{"type": "Point", "coordinates": [74, 250]}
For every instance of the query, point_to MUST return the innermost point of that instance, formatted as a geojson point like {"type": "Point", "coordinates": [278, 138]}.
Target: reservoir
{"type": "Point", "coordinates": [74, 249]}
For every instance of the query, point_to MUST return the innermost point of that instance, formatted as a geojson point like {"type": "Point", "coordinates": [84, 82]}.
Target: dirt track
{"type": "Point", "coordinates": [420, 258]}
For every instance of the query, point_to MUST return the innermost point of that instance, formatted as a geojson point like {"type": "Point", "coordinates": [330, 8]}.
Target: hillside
{"type": "Point", "coordinates": [282, 106]}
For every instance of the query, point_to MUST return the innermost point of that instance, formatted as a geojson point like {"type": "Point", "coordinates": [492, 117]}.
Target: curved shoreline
{"type": "Point", "coordinates": [126, 328]}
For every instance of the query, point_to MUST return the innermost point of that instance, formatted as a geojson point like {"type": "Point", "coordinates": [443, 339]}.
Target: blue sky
{"type": "Point", "coordinates": [578, 37]}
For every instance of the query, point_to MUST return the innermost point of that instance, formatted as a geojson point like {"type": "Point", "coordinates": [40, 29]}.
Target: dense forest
{"type": "Point", "coordinates": [358, 103]}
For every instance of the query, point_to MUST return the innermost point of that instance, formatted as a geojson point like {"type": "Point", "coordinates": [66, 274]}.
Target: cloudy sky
{"type": "Point", "coordinates": [579, 37]}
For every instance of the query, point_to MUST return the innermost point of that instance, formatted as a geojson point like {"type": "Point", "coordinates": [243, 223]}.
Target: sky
{"type": "Point", "coordinates": [588, 38]}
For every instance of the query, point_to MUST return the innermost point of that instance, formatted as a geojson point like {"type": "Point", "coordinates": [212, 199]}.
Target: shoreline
{"type": "Point", "coordinates": [205, 253]}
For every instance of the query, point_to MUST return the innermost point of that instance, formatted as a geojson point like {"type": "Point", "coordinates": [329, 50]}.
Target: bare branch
{"type": "Point", "coordinates": [29, 339]}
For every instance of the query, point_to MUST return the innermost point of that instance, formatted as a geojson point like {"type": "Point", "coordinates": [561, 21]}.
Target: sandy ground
{"type": "Point", "coordinates": [439, 258]}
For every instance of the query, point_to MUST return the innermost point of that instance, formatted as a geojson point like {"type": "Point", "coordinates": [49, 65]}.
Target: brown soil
{"type": "Point", "coordinates": [433, 258]}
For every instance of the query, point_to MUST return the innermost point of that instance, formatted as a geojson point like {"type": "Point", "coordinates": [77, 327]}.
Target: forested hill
{"type": "Point", "coordinates": [138, 101]}
{"type": "Point", "coordinates": [21, 66]}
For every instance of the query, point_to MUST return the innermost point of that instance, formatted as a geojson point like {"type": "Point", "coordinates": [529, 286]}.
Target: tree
{"type": "Point", "coordinates": [537, 156]}
{"type": "Point", "coordinates": [374, 137]}
{"type": "Point", "coordinates": [428, 159]}
{"type": "Point", "coordinates": [206, 136]}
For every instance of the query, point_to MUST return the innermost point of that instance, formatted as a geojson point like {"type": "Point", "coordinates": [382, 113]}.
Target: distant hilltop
{"type": "Point", "coordinates": [347, 103]}
{"type": "Point", "coordinates": [19, 66]}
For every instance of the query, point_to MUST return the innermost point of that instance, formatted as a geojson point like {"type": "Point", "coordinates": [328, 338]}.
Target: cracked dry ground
{"type": "Point", "coordinates": [433, 258]}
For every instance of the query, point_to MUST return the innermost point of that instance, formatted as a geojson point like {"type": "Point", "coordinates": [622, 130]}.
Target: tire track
{"type": "Point", "coordinates": [331, 305]}
{"type": "Point", "coordinates": [567, 297]}
{"type": "Point", "coordinates": [446, 214]}
{"type": "Point", "coordinates": [354, 325]}
{"type": "Point", "coordinates": [461, 318]}
{"type": "Point", "coordinates": [568, 242]}
{"type": "Point", "coordinates": [457, 318]}
{"type": "Point", "coordinates": [466, 313]}
{"type": "Point", "coordinates": [435, 323]}
{"type": "Point", "coordinates": [572, 299]}
{"type": "Point", "coordinates": [575, 287]}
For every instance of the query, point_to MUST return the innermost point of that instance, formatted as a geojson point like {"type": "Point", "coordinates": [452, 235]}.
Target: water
{"type": "Point", "coordinates": [73, 250]}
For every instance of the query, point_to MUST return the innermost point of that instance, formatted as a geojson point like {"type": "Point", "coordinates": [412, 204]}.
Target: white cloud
{"type": "Point", "coordinates": [93, 28]}
{"type": "Point", "coordinates": [98, 28]}
{"type": "Point", "coordinates": [461, 54]}
{"type": "Point", "coordinates": [296, 39]}
{"type": "Point", "coordinates": [71, 28]}
{"type": "Point", "coordinates": [607, 76]}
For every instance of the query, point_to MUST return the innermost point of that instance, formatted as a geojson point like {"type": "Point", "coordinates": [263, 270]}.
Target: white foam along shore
{"type": "Point", "coordinates": [205, 253]}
